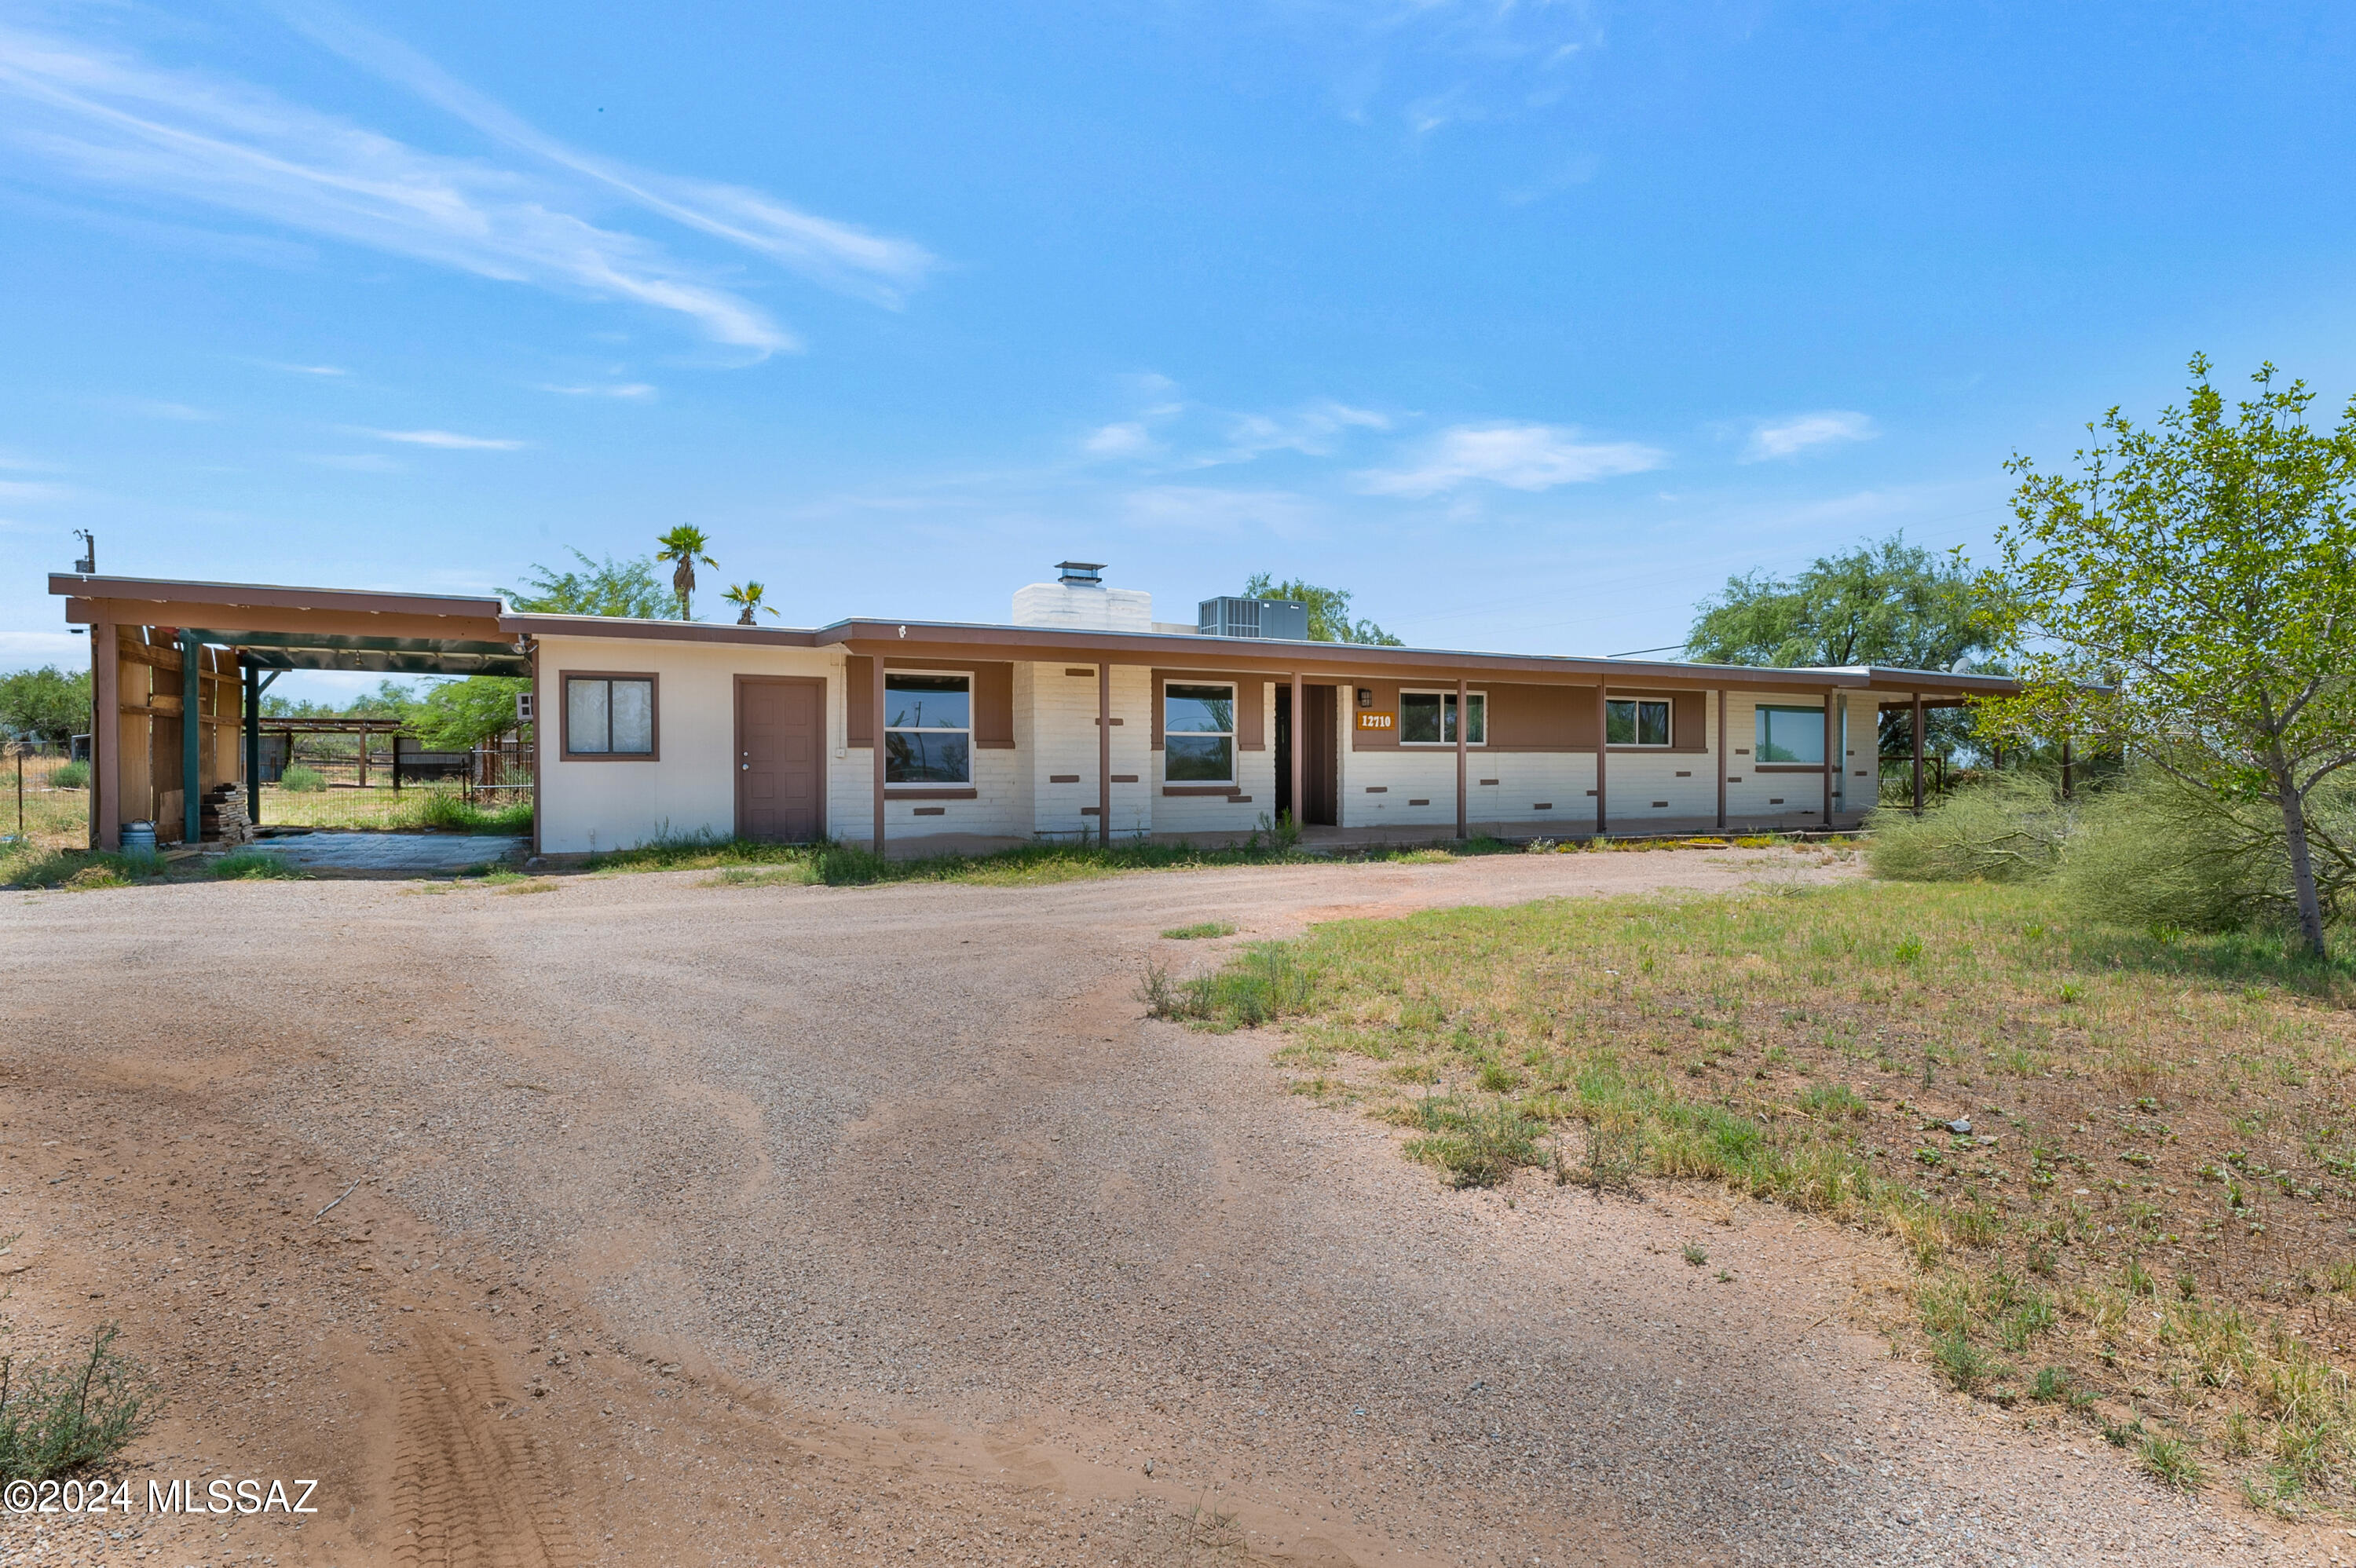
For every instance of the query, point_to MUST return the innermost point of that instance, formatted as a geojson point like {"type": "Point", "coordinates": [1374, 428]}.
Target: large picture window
{"type": "Point", "coordinates": [1429, 719]}
{"type": "Point", "coordinates": [609, 716]}
{"type": "Point", "coordinates": [1198, 734]}
{"type": "Point", "coordinates": [928, 729]}
{"type": "Point", "coordinates": [1635, 721]}
{"type": "Point", "coordinates": [1791, 735]}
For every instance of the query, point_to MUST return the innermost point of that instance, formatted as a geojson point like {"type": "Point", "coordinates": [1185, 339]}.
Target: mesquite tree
{"type": "Point", "coordinates": [2190, 591]}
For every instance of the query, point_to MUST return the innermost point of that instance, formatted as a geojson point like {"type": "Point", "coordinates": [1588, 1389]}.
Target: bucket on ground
{"type": "Point", "coordinates": [137, 837]}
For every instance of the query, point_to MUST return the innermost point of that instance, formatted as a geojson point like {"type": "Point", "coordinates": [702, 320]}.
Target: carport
{"type": "Point", "coordinates": [181, 667]}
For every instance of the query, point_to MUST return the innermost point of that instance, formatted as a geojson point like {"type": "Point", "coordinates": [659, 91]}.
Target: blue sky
{"type": "Point", "coordinates": [1529, 323]}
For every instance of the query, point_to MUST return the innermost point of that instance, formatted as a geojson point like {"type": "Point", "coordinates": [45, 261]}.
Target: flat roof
{"type": "Point", "coordinates": [351, 622]}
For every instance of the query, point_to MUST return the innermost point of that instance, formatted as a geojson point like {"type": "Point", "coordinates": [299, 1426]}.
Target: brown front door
{"type": "Point", "coordinates": [780, 748]}
{"type": "Point", "coordinates": [1319, 731]}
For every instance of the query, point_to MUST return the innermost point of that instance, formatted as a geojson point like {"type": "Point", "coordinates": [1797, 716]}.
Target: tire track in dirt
{"type": "Point", "coordinates": [470, 1488]}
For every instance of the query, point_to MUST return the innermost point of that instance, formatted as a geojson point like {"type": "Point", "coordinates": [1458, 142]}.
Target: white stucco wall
{"type": "Point", "coordinates": [691, 786]}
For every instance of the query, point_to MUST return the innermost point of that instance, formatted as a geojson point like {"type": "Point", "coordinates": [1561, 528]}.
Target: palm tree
{"type": "Point", "coordinates": [686, 545]}
{"type": "Point", "coordinates": [749, 598]}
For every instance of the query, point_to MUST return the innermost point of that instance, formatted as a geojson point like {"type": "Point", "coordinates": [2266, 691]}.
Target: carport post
{"type": "Point", "coordinates": [1917, 753]}
{"type": "Point", "coordinates": [1602, 742]}
{"type": "Point", "coordinates": [875, 733]}
{"type": "Point", "coordinates": [254, 743]}
{"type": "Point", "coordinates": [192, 737]}
{"type": "Point", "coordinates": [1830, 765]}
{"type": "Point", "coordinates": [1103, 754]}
{"type": "Point", "coordinates": [1463, 724]}
{"type": "Point", "coordinates": [105, 736]}
{"type": "Point", "coordinates": [1721, 759]}
{"type": "Point", "coordinates": [1299, 753]}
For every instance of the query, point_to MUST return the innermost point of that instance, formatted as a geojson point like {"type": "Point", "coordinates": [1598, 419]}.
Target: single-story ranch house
{"type": "Point", "coordinates": [1081, 717]}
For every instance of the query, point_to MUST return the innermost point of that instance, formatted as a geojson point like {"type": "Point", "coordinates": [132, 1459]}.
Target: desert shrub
{"type": "Point", "coordinates": [302, 780]}
{"type": "Point", "coordinates": [60, 1416]}
{"type": "Point", "coordinates": [2145, 851]}
{"type": "Point", "coordinates": [2157, 852]}
{"type": "Point", "coordinates": [2009, 829]}
{"type": "Point", "coordinates": [71, 775]}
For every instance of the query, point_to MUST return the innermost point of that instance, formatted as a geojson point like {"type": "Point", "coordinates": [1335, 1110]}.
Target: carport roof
{"type": "Point", "coordinates": [279, 627]}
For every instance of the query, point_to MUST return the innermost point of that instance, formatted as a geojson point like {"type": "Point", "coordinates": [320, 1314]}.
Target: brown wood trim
{"type": "Point", "coordinates": [167, 592]}
{"type": "Point", "coordinates": [737, 721]}
{"type": "Point", "coordinates": [1660, 751]}
{"type": "Point", "coordinates": [1063, 778]}
{"type": "Point", "coordinates": [1231, 791]}
{"type": "Point", "coordinates": [916, 791]}
{"type": "Point", "coordinates": [565, 716]}
{"type": "Point", "coordinates": [1787, 767]}
{"type": "Point", "coordinates": [930, 811]}
{"type": "Point", "coordinates": [860, 701]}
{"type": "Point", "coordinates": [1124, 778]}
{"type": "Point", "coordinates": [631, 629]}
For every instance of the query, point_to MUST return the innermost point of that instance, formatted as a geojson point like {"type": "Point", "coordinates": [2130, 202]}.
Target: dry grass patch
{"type": "Point", "coordinates": [2121, 1160]}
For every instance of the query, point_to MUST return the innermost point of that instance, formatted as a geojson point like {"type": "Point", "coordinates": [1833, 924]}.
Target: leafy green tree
{"type": "Point", "coordinates": [45, 704]}
{"type": "Point", "coordinates": [461, 714]}
{"type": "Point", "coordinates": [1329, 610]}
{"type": "Point", "coordinates": [685, 545]}
{"type": "Point", "coordinates": [746, 597]}
{"type": "Point", "coordinates": [1888, 603]}
{"type": "Point", "coordinates": [624, 588]}
{"type": "Point", "coordinates": [2191, 590]}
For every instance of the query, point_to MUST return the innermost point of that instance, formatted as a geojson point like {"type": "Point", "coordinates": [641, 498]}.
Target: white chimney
{"type": "Point", "coordinates": [1079, 601]}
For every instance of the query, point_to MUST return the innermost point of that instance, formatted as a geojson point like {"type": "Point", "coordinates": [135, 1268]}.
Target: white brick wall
{"type": "Point", "coordinates": [1059, 713]}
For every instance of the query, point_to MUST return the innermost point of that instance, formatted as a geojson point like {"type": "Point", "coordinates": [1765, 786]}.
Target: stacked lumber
{"type": "Point", "coordinates": [225, 818]}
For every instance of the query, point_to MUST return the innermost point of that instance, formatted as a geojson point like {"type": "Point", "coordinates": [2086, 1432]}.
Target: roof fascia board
{"type": "Point", "coordinates": [655, 631]}
{"type": "Point", "coordinates": [239, 595]}
{"type": "Point", "coordinates": [232, 620]}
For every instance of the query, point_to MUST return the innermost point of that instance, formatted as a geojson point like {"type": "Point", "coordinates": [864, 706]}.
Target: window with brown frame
{"type": "Point", "coordinates": [609, 717]}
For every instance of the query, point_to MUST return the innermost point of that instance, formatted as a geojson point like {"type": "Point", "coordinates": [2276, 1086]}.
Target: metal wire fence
{"type": "Point", "coordinates": [46, 803]}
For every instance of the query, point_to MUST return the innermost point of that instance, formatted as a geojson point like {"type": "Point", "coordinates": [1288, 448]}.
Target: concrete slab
{"type": "Point", "coordinates": [394, 854]}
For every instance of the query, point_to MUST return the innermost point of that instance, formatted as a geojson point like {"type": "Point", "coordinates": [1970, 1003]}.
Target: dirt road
{"type": "Point", "coordinates": [789, 1225]}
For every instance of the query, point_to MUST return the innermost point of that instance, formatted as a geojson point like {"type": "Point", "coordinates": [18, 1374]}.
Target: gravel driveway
{"type": "Point", "coordinates": [782, 1225]}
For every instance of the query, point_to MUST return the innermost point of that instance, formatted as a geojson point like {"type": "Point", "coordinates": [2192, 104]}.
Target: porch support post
{"type": "Point", "coordinates": [1917, 753]}
{"type": "Point", "coordinates": [1463, 725]}
{"type": "Point", "coordinates": [876, 732]}
{"type": "Point", "coordinates": [1103, 754]}
{"type": "Point", "coordinates": [1721, 759]}
{"type": "Point", "coordinates": [1831, 756]}
{"type": "Point", "coordinates": [1300, 752]}
{"type": "Point", "coordinates": [2065, 767]}
{"type": "Point", "coordinates": [192, 735]}
{"type": "Point", "coordinates": [254, 743]}
{"type": "Point", "coordinates": [1603, 745]}
{"type": "Point", "coordinates": [105, 737]}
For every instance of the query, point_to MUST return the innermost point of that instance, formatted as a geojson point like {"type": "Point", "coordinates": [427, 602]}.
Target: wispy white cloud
{"type": "Point", "coordinates": [1127, 438]}
{"type": "Point", "coordinates": [1517, 456]}
{"type": "Point", "coordinates": [355, 461]}
{"type": "Point", "coordinates": [1179, 433]}
{"type": "Point", "coordinates": [161, 409]}
{"type": "Point", "coordinates": [310, 370]}
{"type": "Point", "coordinates": [185, 137]}
{"type": "Point", "coordinates": [839, 254]}
{"type": "Point", "coordinates": [1314, 431]}
{"type": "Point", "coordinates": [1201, 508]}
{"type": "Point", "coordinates": [629, 390]}
{"type": "Point", "coordinates": [1801, 432]}
{"type": "Point", "coordinates": [449, 440]}
{"type": "Point", "coordinates": [33, 490]}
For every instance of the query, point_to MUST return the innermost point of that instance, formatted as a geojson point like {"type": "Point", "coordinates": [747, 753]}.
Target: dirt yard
{"type": "Point", "coordinates": [777, 1225]}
